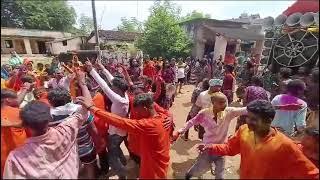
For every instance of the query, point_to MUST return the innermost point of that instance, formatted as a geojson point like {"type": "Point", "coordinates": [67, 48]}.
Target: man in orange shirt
{"type": "Point", "coordinates": [265, 152]}
{"type": "Point", "coordinates": [154, 142]}
{"type": "Point", "coordinates": [12, 136]}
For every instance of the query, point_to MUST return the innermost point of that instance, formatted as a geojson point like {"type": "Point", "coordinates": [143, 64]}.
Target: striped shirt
{"type": "Point", "coordinates": [59, 114]}
{"type": "Point", "coordinates": [52, 155]}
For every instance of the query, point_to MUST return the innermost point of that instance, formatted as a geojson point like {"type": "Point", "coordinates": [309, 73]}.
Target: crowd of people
{"type": "Point", "coordinates": [68, 120]}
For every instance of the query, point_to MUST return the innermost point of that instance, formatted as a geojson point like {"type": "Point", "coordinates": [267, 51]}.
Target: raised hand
{"type": "Point", "coordinates": [85, 102]}
{"type": "Point", "coordinates": [88, 66]}
{"type": "Point", "coordinates": [81, 76]}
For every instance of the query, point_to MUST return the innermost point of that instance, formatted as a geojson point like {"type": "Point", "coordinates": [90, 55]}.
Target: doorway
{"type": "Point", "coordinates": [41, 47]}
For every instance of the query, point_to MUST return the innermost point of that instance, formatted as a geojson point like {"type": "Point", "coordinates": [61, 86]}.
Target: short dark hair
{"type": "Point", "coordinates": [120, 83]}
{"type": "Point", "coordinates": [294, 86]}
{"type": "Point", "coordinates": [263, 109]}
{"type": "Point", "coordinates": [59, 97]}
{"type": "Point", "coordinates": [285, 72]}
{"type": "Point", "coordinates": [257, 81]}
{"type": "Point", "coordinates": [36, 115]}
{"type": "Point", "coordinates": [205, 84]}
{"type": "Point", "coordinates": [7, 93]}
{"type": "Point", "coordinates": [27, 78]}
{"type": "Point", "coordinates": [144, 99]}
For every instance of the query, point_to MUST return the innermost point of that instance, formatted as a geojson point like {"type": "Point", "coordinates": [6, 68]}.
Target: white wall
{"type": "Point", "coordinates": [72, 44]}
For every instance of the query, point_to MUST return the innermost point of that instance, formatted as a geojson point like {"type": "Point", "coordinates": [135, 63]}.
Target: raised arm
{"type": "Point", "coordinates": [104, 70]}
{"type": "Point", "coordinates": [136, 127]}
{"type": "Point", "coordinates": [126, 76]}
{"type": "Point", "coordinates": [234, 112]}
{"type": "Point", "coordinates": [194, 121]}
{"type": "Point", "coordinates": [114, 97]}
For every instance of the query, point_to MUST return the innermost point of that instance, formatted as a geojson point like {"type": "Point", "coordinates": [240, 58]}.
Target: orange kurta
{"type": "Point", "coordinates": [275, 157]}
{"type": "Point", "coordinates": [11, 138]}
{"type": "Point", "coordinates": [154, 142]}
{"type": "Point", "coordinates": [133, 138]}
{"type": "Point", "coordinates": [102, 126]}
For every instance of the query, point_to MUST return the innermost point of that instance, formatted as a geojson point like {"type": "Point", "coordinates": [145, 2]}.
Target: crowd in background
{"type": "Point", "coordinates": [58, 119]}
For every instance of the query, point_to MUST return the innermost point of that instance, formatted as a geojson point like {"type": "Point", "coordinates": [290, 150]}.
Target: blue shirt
{"type": "Point", "coordinates": [289, 119]}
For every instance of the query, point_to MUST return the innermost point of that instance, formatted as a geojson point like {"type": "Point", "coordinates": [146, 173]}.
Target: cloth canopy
{"type": "Point", "coordinates": [302, 6]}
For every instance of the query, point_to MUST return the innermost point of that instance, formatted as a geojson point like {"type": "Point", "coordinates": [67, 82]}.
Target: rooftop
{"type": "Point", "coordinates": [116, 35]}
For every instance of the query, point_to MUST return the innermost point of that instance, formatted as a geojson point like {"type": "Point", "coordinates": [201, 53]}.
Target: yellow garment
{"type": "Point", "coordinates": [3, 83]}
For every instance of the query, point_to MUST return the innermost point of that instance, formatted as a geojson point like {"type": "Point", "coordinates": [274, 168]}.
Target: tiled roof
{"type": "Point", "coordinates": [116, 35]}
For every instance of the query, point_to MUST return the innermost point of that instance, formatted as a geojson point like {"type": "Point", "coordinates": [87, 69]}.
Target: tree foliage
{"type": "Point", "coordinates": [130, 25]}
{"type": "Point", "coordinates": [45, 15]}
{"type": "Point", "coordinates": [195, 15]}
{"type": "Point", "coordinates": [162, 34]}
{"type": "Point", "coordinates": [86, 24]}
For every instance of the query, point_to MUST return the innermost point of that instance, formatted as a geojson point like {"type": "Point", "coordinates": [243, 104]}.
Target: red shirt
{"type": "Point", "coordinates": [229, 59]}
{"type": "Point", "coordinates": [227, 82]}
{"type": "Point", "coordinates": [149, 70]}
{"type": "Point", "coordinates": [133, 139]}
{"type": "Point", "coordinates": [154, 142]}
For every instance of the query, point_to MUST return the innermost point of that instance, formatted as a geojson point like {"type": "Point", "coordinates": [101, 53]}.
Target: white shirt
{"type": "Point", "coordinates": [180, 73]}
{"type": "Point", "coordinates": [204, 100]}
{"type": "Point", "coordinates": [28, 98]}
{"type": "Point", "coordinates": [64, 82]}
{"type": "Point", "coordinates": [120, 105]}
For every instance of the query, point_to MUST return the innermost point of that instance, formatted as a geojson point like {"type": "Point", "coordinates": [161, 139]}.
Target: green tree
{"type": "Point", "coordinates": [130, 25]}
{"type": "Point", "coordinates": [86, 24]}
{"type": "Point", "coordinates": [45, 15]}
{"type": "Point", "coordinates": [195, 15]}
{"type": "Point", "coordinates": [162, 34]}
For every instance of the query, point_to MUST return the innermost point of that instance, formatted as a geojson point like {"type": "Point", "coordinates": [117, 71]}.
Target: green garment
{"type": "Point", "coordinates": [15, 61]}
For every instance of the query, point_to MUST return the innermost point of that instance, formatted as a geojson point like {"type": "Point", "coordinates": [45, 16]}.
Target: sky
{"type": "Point", "coordinates": [109, 13]}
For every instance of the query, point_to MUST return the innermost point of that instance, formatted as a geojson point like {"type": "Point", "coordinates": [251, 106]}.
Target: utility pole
{"type": "Point", "coordinates": [95, 24]}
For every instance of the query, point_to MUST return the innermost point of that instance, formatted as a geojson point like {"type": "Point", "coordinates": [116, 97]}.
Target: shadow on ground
{"type": "Point", "coordinates": [180, 169]}
{"type": "Point", "coordinates": [182, 147]}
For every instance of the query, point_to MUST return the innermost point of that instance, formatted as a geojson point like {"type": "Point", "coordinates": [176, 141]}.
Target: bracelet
{"type": "Point", "coordinates": [90, 107]}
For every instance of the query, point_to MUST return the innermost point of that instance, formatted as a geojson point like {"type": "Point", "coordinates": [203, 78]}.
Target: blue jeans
{"type": "Point", "coordinates": [117, 160]}
{"type": "Point", "coordinates": [204, 163]}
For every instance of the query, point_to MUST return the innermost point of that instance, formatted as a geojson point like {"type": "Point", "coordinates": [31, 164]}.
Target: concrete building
{"type": "Point", "coordinates": [28, 41]}
{"type": "Point", "coordinates": [66, 44]}
{"type": "Point", "coordinates": [220, 35]}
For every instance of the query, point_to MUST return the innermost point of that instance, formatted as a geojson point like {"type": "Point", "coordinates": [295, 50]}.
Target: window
{"type": "Point", "coordinates": [8, 43]}
{"type": "Point", "coordinates": [64, 43]}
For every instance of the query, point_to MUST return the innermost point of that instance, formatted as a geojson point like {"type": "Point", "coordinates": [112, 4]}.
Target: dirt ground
{"type": "Point", "coordinates": [184, 153]}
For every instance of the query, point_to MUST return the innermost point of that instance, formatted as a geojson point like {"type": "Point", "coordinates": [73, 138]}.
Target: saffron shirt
{"type": "Point", "coordinates": [133, 138]}
{"type": "Point", "coordinates": [154, 142]}
{"type": "Point", "coordinates": [11, 137]}
{"type": "Point", "coordinates": [53, 155]}
{"type": "Point", "coordinates": [275, 157]}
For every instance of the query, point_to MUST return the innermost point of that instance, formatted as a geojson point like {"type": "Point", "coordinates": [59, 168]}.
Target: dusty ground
{"type": "Point", "coordinates": [184, 153]}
